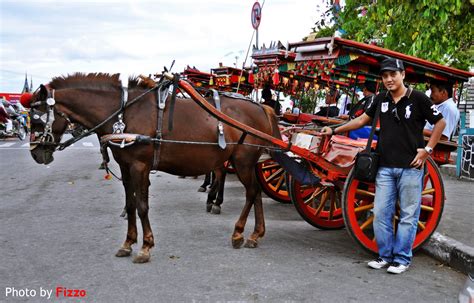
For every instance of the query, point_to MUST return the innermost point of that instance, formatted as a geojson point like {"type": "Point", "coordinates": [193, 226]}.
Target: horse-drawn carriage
{"type": "Point", "coordinates": [326, 194]}
{"type": "Point", "coordinates": [340, 199]}
{"type": "Point", "coordinates": [222, 78]}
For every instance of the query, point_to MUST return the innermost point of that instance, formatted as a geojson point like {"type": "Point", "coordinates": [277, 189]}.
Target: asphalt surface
{"type": "Point", "coordinates": [60, 226]}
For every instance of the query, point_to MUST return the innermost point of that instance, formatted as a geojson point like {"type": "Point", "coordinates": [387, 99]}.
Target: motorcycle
{"type": "Point", "coordinates": [19, 122]}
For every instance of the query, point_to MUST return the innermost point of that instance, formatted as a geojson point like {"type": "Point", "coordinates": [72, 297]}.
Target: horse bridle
{"type": "Point", "coordinates": [46, 138]}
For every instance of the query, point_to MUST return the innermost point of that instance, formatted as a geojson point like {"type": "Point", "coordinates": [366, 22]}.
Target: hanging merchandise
{"type": "Point", "coordinates": [276, 77]}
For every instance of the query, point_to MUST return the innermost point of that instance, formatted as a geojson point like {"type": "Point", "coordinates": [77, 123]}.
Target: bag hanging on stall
{"type": "Point", "coordinates": [367, 161]}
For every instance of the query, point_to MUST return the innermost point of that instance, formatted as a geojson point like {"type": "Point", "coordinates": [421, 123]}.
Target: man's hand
{"type": "Point", "coordinates": [420, 158]}
{"type": "Point", "coordinates": [327, 131]}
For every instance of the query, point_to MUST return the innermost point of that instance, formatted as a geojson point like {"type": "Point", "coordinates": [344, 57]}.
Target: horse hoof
{"type": "Point", "coordinates": [237, 242]}
{"type": "Point", "coordinates": [123, 252]}
{"type": "Point", "coordinates": [141, 257]}
{"type": "Point", "coordinates": [216, 209]}
{"type": "Point", "coordinates": [208, 207]}
{"type": "Point", "coordinates": [202, 189]}
{"type": "Point", "coordinates": [251, 243]}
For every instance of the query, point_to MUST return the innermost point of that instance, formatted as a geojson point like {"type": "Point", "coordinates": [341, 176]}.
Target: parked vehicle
{"type": "Point", "coordinates": [11, 114]}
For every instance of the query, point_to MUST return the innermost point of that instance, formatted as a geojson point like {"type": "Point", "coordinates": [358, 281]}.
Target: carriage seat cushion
{"type": "Point", "coordinates": [343, 150]}
{"type": "Point", "coordinates": [340, 151]}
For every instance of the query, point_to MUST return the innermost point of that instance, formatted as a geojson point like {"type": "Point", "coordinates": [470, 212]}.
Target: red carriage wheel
{"type": "Point", "coordinates": [271, 177]}
{"type": "Point", "coordinates": [358, 199]}
{"type": "Point", "coordinates": [319, 205]}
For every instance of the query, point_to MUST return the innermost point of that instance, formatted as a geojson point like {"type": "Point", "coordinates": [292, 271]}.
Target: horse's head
{"type": "Point", "coordinates": [47, 125]}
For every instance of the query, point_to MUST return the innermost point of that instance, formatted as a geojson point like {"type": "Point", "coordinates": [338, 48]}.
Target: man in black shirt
{"type": "Point", "coordinates": [331, 100]}
{"type": "Point", "coordinates": [402, 157]}
{"type": "Point", "coordinates": [360, 107]}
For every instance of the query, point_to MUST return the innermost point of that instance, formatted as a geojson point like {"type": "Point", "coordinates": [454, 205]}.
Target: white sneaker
{"type": "Point", "coordinates": [378, 263]}
{"type": "Point", "coordinates": [397, 268]}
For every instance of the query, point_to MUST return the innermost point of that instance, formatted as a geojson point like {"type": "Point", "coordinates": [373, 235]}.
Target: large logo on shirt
{"type": "Point", "coordinates": [408, 111]}
{"type": "Point", "coordinates": [384, 107]}
{"type": "Point", "coordinates": [435, 110]}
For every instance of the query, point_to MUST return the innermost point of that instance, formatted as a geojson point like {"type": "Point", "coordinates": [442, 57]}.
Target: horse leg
{"type": "Point", "coordinates": [131, 209]}
{"type": "Point", "coordinates": [211, 196]}
{"type": "Point", "coordinates": [220, 177]}
{"type": "Point", "coordinates": [253, 196]}
{"type": "Point", "coordinates": [207, 181]}
{"type": "Point", "coordinates": [141, 183]}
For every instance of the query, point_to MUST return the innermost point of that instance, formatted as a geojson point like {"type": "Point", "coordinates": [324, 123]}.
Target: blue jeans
{"type": "Point", "coordinates": [405, 185]}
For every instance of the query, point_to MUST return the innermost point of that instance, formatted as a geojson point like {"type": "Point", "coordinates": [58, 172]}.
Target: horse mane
{"type": "Point", "coordinates": [92, 80]}
{"type": "Point", "coordinates": [140, 82]}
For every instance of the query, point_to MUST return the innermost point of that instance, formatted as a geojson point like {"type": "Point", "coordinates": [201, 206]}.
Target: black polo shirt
{"type": "Point", "coordinates": [401, 126]}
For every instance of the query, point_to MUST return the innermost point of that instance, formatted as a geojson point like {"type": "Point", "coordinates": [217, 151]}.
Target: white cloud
{"type": "Point", "coordinates": [48, 38]}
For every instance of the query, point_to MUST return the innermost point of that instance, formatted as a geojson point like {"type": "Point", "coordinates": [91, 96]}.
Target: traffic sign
{"type": "Point", "coordinates": [256, 15]}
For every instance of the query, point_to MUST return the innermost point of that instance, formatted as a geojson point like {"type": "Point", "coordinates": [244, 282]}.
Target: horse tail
{"type": "Point", "coordinates": [273, 121]}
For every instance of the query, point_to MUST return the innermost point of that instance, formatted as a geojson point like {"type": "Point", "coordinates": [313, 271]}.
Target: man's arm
{"type": "Point", "coordinates": [422, 154]}
{"type": "Point", "coordinates": [436, 133]}
{"type": "Point", "coordinates": [356, 123]}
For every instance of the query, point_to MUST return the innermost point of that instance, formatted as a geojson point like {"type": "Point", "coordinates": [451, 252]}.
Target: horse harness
{"type": "Point", "coordinates": [118, 138]}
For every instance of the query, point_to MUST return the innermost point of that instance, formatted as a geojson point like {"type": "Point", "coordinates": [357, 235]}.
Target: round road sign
{"type": "Point", "coordinates": [256, 15]}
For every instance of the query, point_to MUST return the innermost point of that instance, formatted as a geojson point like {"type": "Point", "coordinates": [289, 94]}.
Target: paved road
{"type": "Point", "coordinates": [60, 226]}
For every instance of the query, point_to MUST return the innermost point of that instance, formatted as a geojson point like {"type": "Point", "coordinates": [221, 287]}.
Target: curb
{"type": "Point", "coordinates": [448, 169]}
{"type": "Point", "coordinates": [450, 252]}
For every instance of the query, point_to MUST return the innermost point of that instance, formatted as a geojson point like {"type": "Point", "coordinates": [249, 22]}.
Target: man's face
{"type": "Point", "coordinates": [437, 95]}
{"type": "Point", "coordinates": [393, 80]}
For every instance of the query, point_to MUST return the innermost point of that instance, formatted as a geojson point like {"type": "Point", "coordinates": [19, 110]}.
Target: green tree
{"type": "Point", "coordinates": [436, 30]}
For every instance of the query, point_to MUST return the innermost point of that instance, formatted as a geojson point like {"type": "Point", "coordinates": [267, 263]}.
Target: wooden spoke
{"type": "Point", "coordinates": [421, 225]}
{"type": "Point", "coordinates": [314, 195]}
{"type": "Point", "coordinates": [280, 183]}
{"type": "Point", "coordinates": [364, 207]}
{"type": "Point", "coordinates": [365, 193]}
{"type": "Point", "coordinates": [428, 191]}
{"type": "Point", "coordinates": [427, 208]}
{"type": "Point", "coordinates": [324, 198]}
{"type": "Point", "coordinates": [274, 175]}
{"type": "Point", "coordinates": [270, 166]}
{"type": "Point", "coordinates": [367, 222]}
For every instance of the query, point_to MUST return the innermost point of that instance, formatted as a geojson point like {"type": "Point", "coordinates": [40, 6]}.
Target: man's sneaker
{"type": "Point", "coordinates": [397, 268]}
{"type": "Point", "coordinates": [378, 263]}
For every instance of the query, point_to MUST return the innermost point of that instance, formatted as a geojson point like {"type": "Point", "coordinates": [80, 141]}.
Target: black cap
{"type": "Point", "coordinates": [391, 64]}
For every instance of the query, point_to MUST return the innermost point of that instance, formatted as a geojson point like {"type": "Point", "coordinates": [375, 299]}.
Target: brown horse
{"type": "Point", "coordinates": [94, 101]}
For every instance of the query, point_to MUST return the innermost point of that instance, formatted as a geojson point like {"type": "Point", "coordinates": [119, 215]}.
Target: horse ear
{"type": "Point", "coordinates": [43, 92]}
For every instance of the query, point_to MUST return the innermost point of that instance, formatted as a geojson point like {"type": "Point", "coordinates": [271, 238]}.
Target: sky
{"type": "Point", "coordinates": [49, 38]}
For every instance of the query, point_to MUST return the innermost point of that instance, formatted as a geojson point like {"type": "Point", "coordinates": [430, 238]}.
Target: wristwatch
{"type": "Point", "coordinates": [429, 150]}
